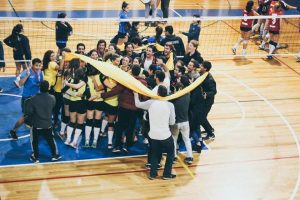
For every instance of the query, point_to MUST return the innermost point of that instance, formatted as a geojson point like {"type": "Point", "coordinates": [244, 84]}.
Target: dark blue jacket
{"type": "Point", "coordinates": [193, 33]}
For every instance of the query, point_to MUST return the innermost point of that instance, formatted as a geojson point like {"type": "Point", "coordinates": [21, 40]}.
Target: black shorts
{"type": "Point", "coordinates": [245, 29]}
{"type": "Point", "coordinates": [23, 99]}
{"type": "Point", "coordinates": [19, 57]}
{"type": "Point", "coordinates": [61, 44]}
{"type": "Point", "coordinates": [110, 110]}
{"type": "Point", "coordinates": [78, 106]}
{"type": "Point", "coordinates": [66, 101]}
{"type": "Point", "coordinates": [274, 32]}
{"type": "Point", "coordinates": [95, 105]}
{"type": "Point", "coordinates": [121, 35]}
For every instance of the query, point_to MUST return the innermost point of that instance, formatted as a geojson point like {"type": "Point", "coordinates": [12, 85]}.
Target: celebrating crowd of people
{"type": "Point", "coordinates": [70, 98]}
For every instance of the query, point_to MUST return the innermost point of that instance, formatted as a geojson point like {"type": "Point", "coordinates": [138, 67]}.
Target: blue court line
{"type": "Point", "coordinates": [132, 13]}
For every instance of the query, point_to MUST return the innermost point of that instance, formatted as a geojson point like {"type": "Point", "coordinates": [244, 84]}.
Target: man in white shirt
{"type": "Point", "coordinates": [161, 115]}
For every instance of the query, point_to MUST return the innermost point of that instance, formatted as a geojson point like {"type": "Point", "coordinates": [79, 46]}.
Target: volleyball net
{"type": "Point", "coordinates": [217, 36]}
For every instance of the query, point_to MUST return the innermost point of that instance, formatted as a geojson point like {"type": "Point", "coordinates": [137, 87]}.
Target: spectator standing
{"type": "Point", "coordinates": [40, 109]}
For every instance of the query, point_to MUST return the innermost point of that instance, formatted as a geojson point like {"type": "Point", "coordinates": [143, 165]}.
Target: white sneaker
{"type": "Point", "coordinates": [67, 142]}
{"type": "Point", "coordinates": [16, 82]}
{"type": "Point", "coordinates": [233, 50]}
{"type": "Point", "coordinates": [146, 141]}
{"type": "Point", "coordinates": [73, 145]}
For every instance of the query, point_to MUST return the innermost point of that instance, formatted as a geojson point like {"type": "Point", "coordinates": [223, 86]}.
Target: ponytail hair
{"type": "Point", "coordinates": [249, 6]}
{"type": "Point", "coordinates": [124, 5]}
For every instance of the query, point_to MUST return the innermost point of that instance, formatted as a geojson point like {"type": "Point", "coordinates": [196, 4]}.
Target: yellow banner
{"type": "Point", "coordinates": [129, 81]}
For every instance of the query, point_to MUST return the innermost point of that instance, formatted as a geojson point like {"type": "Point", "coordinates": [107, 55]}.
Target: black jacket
{"type": "Point", "coordinates": [177, 42]}
{"type": "Point", "coordinates": [196, 56]}
{"type": "Point", "coordinates": [40, 109]}
{"type": "Point", "coordinates": [207, 88]}
{"type": "Point", "coordinates": [21, 46]}
{"type": "Point", "coordinates": [62, 31]}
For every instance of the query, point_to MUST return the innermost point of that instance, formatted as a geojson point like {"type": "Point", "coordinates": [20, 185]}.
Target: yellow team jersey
{"type": "Point", "coordinates": [92, 87]}
{"type": "Point", "coordinates": [79, 91]}
{"type": "Point", "coordinates": [121, 47]}
{"type": "Point", "coordinates": [58, 85]}
{"type": "Point", "coordinates": [50, 73]}
{"type": "Point", "coordinates": [113, 101]}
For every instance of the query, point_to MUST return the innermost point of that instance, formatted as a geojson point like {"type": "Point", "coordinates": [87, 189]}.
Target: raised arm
{"type": "Point", "coordinates": [143, 105]}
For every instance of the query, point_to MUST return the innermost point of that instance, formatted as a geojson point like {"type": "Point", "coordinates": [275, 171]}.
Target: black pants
{"type": "Point", "coordinates": [126, 122]}
{"type": "Point", "coordinates": [47, 134]}
{"type": "Point", "coordinates": [165, 8]}
{"type": "Point", "coordinates": [149, 156]}
{"type": "Point", "coordinates": [199, 116]}
{"type": "Point", "coordinates": [58, 105]}
{"type": "Point", "coordinates": [157, 146]}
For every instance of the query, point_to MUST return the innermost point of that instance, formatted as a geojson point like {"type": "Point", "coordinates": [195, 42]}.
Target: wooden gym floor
{"type": "Point", "coordinates": [255, 155]}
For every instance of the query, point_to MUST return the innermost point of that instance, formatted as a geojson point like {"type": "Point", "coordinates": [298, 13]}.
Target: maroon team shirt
{"type": "Point", "coordinates": [247, 23]}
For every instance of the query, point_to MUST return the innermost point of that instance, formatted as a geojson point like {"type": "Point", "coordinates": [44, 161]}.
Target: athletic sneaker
{"type": "Point", "coordinates": [104, 134]}
{"type": "Point", "coordinates": [125, 149]}
{"type": "Point", "coordinates": [67, 142]}
{"type": "Point", "coordinates": [94, 145]}
{"type": "Point", "coordinates": [86, 144]}
{"type": "Point", "coordinates": [269, 57]}
{"type": "Point", "coordinates": [198, 148]}
{"type": "Point", "coordinates": [188, 160]}
{"type": "Point", "coordinates": [148, 166]}
{"type": "Point", "coordinates": [73, 145]}
{"type": "Point", "coordinates": [17, 84]}
{"type": "Point", "coordinates": [116, 150]}
{"type": "Point", "coordinates": [233, 51]}
{"type": "Point", "coordinates": [109, 146]}
{"type": "Point", "coordinates": [152, 177]}
{"type": "Point", "coordinates": [212, 136]}
{"type": "Point", "coordinates": [56, 157]}
{"type": "Point", "coordinates": [1, 89]}
{"type": "Point", "coordinates": [146, 141]}
{"type": "Point", "coordinates": [209, 137]}
{"type": "Point", "coordinates": [33, 159]}
{"type": "Point", "coordinates": [13, 134]}
{"type": "Point", "coordinates": [172, 176]}
{"type": "Point", "coordinates": [175, 160]}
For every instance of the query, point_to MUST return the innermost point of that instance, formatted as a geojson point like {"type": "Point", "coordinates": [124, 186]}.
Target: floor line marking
{"type": "Point", "coordinates": [175, 12]}
{"type": "Point", "coordinates": [144, 170]}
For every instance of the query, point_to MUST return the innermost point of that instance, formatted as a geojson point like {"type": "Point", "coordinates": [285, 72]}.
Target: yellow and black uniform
{"type": "Point", "coordinates": [77, 104]}
{"type": "Point", "coordinates": [58, 96]}
{"type": "Point", "coordinates": [111, 104]}
{"type": "Point", "coordinates": [96, 104]}
{"type": "Point", "coordinates": [66, 97]}
{"type": "Point", "coordinates": [50, 73]}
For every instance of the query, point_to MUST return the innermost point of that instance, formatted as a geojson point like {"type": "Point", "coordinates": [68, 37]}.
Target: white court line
{"type": "Point", "coordinates": [12, 95]}
{"type": "Point", "coordinates": [293, 133]}
{"type": "Point", "coordinates": [7, 76]}
{"type": "Point", "coordinates": [71, 161]}
{"type": "Point", "coordinates": [9, 139]}
{"type": "Point", "coordinates": [21, 137]}
{"type": "Point", "coordinates": [175, 12]}
{"type": "Point", "coordinates": [242, 110]}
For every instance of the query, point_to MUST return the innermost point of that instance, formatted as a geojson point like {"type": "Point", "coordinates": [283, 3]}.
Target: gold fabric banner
{"type": "Point", "coordinates": [129, 81]}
